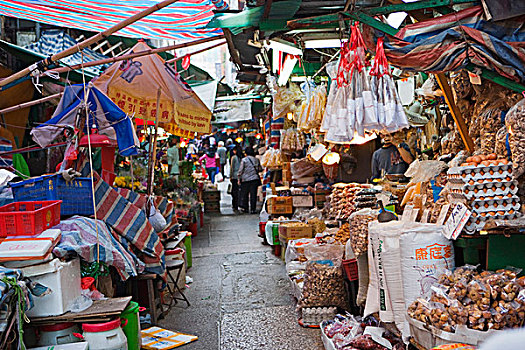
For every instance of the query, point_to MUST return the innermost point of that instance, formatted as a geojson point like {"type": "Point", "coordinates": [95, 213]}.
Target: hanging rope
{"type": "Point", "coordinates": [86, 92]}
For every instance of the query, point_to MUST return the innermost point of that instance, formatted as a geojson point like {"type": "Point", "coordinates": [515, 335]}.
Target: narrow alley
{"type": "Point", "coordinates": [240, 295]}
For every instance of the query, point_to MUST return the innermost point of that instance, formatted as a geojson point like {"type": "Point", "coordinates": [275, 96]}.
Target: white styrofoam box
{"type": "Point", "coordinates": [71, 346]}
{"type": "Point", "coordinates": [327, 342]}
{"type": "Point", "coordinates": [63, 278]}
{"type": "Point", "coordinates": [33, 248]}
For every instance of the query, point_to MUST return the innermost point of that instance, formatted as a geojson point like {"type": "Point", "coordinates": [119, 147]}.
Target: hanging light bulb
{"type": "Point", "coordinates": [289, 115]}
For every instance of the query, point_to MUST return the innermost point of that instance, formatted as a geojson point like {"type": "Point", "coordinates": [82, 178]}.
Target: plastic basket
{"type": "Point", "coordinates": [28, 218]}
{"type": "Point", "coordinates": [350, 269]}
{"type": "Point", "coordinates": [76, 196]}
{"type": "Point", "coordinates": [35, 189]}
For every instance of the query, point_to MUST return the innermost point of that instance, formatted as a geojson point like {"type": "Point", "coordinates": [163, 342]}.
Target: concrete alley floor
{"type": "Point", "coordinates": [240, 295]}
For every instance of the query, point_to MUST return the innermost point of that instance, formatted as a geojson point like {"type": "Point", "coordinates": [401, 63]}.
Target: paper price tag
{"type": "Point", "coordinates": [407, 213]}
{"type": "Point", "coordinates": [443, 214]}
{"type": "Point", "coordinates": [456, 221]}
{"type": "Point", "coordinates": [426, 214]}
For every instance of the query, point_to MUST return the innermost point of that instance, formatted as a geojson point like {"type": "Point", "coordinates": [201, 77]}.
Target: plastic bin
{"type": "Point", "coordinates": [28, 218]}
{"type": "Point", "coordinates": [132, 327]}
{"type": "Point", "coordinates": [35, 189]}
{"type": "Point", "coordinates": [350, 269]}
{"type": "Point", "coordinates": [76, 195]}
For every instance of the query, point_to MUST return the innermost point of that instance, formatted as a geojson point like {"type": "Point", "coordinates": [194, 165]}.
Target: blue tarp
{"type": "Point", "coordinates": [106, 115]}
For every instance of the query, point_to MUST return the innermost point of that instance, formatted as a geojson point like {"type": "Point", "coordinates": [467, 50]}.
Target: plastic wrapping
{"type": "Point", "coordinates": [271, 158]}
{"type": "Point", "coordinates": [284, 100]}
{"type": "Point", "coordinates": [425, 170]}
{"type": "Point", "coordinates": [359, 230]}
{"type": "Point", "coordinates": [303, 167]}
{"type": "Point", "coordinates": [323, 281]}
{"type": "Point", "coordinates": [515, 122]}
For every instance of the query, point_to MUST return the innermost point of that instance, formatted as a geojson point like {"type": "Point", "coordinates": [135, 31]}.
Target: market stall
{"type": "Point", "coordinates": [420, 245]}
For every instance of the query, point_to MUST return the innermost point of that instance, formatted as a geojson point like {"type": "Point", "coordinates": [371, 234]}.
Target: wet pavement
{"type": "Point", "coordinates": [240, 295]}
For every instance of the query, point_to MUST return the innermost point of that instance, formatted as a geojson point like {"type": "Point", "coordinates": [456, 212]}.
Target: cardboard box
{"type": "Point", "coordinates": [320, 197]}
{"type": "Point", "coordinates": [63, 279]}
{"type": "Point", "coordinates": [303, 201]}
{"type": "Point", "coordinates": [211, 196]}
{"type": "Point", "coordinates": [280, 205]}
{"type": "Point", "coordinates": [280, 209]}
{"type": "Point", "coordinates": [212, 207]}
{"type": "Point", "coordinates": [290, 231]}
{"type": "Point", "coordinates": [280, 200]}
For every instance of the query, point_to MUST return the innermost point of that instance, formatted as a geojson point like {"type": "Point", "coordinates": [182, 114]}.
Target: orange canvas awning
{"type": "Point", "coordinates": [133, 86]}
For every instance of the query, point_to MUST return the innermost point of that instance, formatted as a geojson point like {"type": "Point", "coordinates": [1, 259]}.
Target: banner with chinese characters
{"type": "Point", "coordinates": [133, 86]}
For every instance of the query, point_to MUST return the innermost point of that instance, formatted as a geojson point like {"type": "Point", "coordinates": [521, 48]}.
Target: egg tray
{"type": "Point", "coordinates": [476, 222]}
{"type": "Point", "coordinates": [477, 172]}
{"type": "Point", "coordinates": [487, 205]}
{"type": "Point", "coordinates": [490, 189]}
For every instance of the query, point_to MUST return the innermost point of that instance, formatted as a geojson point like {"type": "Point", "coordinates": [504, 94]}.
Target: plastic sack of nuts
{"type": "Point", "coordinates": [359, 229]}
{"type": "Point", "coordinates": [500, 147]}
{"type": "Point", "coordinates": [515, 122]}
{"type": "Point", "coordinates": [323, 281]}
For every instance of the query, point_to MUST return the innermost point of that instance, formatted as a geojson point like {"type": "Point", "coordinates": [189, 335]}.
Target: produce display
{"type": "Point", "coordinates": [292, 140]}
{"type": "Point", "coordinates": [342, 199]}
{"type": "Point", "coordinates": [323, 286]}
{"type": "Point", "coordinates": [488, 185]}
{"type": "Point", "coordinates": [346, 333]}
{"type": "Point", "coordinates": [358, 224]}
{"type": "Point", "coordinates": [515, 122]}
{"type": "Point", "coordinates": [272, 158]}
{"type": "Point", "coordinates": [481, 301]}
{"type": "Point", "coordinates": [312, 109]}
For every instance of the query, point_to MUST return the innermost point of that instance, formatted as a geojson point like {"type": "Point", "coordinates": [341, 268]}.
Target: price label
{"type": "Point", "coordinates": [443, 214]}
{"type": "Point", "coordinates": [426, 214]}
{"type": "Point", "coordinates": [407, 213]}
{"type": "Point", "coordinates": [456, 221]}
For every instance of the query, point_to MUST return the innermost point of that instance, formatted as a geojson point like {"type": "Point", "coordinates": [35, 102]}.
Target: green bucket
{"type": "Point", "coordinates": [132, 327]}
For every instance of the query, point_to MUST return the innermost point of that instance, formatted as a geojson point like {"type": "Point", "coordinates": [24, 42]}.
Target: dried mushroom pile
{"type": "Point", "coordinates": [359, 230]}
{"type": "Point", "coordinates": [515, 122]}
{"type": "Point", "coordinates": [481, 301]}
{"type": "Point", "coordinates": [343, 199]}
{"type": "Point", "coordinates": [323, 286]}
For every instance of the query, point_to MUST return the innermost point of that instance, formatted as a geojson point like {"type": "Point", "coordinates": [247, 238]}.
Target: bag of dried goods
{"type": "Point", "coordinates": [515, 122]}
{"type": "Point", "coordinates": [323, 281]}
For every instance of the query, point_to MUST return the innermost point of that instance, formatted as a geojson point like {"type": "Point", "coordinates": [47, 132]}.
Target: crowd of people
{"type": "Point", "coordinates": [213, 157]}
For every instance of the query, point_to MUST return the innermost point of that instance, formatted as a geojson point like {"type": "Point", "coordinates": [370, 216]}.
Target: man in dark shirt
{"type": "Point", "coordinates": [390, 158]}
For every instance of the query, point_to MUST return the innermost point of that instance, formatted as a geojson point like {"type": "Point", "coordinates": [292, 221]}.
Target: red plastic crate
{"type": "Point", "coordinates": [350, 269]}
{"type": "Point", "coordinates": [28, 218]}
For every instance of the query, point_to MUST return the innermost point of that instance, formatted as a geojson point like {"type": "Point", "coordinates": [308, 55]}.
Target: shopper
{"type": "Point", "coordinates": [235, 163]}
{"type": "Point", "coordinates": [221, 152]}
{"type": "Point", "coordinates": [173, 158]}
{"type": "Point", "coordinates": [249, 180]}
{"type": "Point", "coordinates": [210, 162]}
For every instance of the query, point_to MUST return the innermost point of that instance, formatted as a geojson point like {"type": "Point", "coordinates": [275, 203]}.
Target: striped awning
{"type": "Point", "coordinates": [183, 20]}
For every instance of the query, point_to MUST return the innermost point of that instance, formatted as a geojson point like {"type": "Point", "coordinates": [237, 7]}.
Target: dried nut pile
{"type": "Point", "coordinates": [358, 224]}
{"type": "Point", "coordinates": [515, 122]}
{"type": "Point", "coordinates": [342, 199]}
{"type": "Point", "coordinates": [481, 301]}
{"type": "Point", "coordinates": [323, 286]}
{"type": "Point", "coordinates": [343, 234]}
{"type": "Point", "coordinates": [318, 225]}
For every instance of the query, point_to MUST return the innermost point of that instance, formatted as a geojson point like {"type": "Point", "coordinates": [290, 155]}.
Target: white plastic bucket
{"type": "Point", "coordinates": [105, 336]}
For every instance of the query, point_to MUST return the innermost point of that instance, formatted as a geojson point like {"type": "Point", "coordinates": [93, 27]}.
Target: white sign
{"type": "Point", "coordinates": [456, 221]}
{"type": "Point", "coordinates": [442, 214]}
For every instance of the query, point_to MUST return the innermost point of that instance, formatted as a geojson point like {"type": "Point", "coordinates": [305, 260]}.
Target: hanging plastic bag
{"type": "Point", "coordinates": [390, 115]}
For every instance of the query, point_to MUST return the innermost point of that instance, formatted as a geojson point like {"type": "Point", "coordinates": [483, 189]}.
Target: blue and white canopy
{"type": "Point", "coordinates": [109, 119]}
